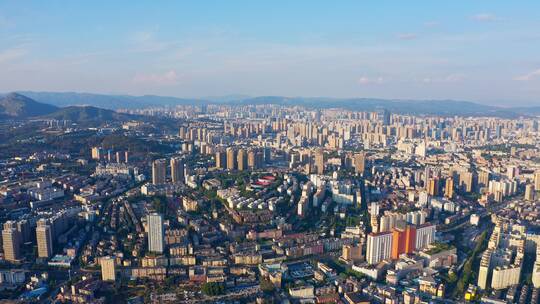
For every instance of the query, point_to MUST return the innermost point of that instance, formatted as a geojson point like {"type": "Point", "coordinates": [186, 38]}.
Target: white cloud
{"type": "Point", "coordinates": [407, 36]}
{"type": "Point", "coordinates": [142, 36]}
{"type": "Point", "coordinates": [451, 78]}
{"type": "Point", "coordinates": [528, 76]}
{"type": "Point", "coordinates": [431, 23]}
{"type": "Point", "coordinates": [145, 41]}
{"type": "Point", "coordinates": [163, 79]}
{"type": "Point", "coordinates": [11, 54]}
{"type": "Point", "coordinates": [485, 17]}
{"type": "Point", "coordinates": [364, 80]}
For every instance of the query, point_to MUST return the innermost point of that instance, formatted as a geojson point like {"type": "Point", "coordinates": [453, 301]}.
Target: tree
{"type": "Point", "coordinates": [160, 204]}
{"type": "Point", "coordinates": [213, 289]}
{"type": "Point", "coordinates": [266, 286]}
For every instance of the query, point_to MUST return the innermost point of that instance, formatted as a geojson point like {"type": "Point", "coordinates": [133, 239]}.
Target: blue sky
{"type": "Point", "coordinates": [485, 51]}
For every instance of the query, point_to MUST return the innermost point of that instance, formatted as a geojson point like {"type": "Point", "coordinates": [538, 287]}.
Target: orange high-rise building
{"type": "Point", "coordinates": [403, 241]}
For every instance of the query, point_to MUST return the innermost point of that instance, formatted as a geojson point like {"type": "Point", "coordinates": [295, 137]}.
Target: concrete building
{"type": "Point", "coordinates": [403, 241]}
{"type": "Point", "coordinates": [155, 232]}
{"type": "Point", "coordinates": [177, 170]}
{"type": "Point", "coordinates": [483, 271]}
{"type": "Point", "coordinates": [425, 235]}
{"type": "Point", "coordinates": [159, 171]}
{"type": "Point", "coordinates": [529, 192]}
{"type": "Point", "coordinates": [505, 276]}
{"type": "Point", "coordinates": [537, 181]}
{"type": "Point", "coordinates": [11, 239]}
{"type": "Point", "coordinates": [108, 268]}
{"type": "Point", "coordinates": [221, 160]}
{"type": "Point", "coordinates": [319, 161]}
{"type": "Point", "coordinates": [449, 187]}
{"type": "Point", "coordinates": [379, 247]}
{"type": "Point", "coordinates": [242, 160]}
{"type": "Point", "coordinates": [352, 253]}
{"type": "Point", "coordinates": [433, 186]}
{"type": "Point", "coordinates": [466, 181]}
{"type": "Point", "coordinates": [44, 239]}
{"type": "Point", "coordinates": [360, 163]}
{"type": "Point", "coordinates": [231, 159]}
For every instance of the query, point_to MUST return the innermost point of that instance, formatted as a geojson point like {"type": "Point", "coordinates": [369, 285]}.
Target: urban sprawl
{"type": "Point", "coordinates": [271, 204]}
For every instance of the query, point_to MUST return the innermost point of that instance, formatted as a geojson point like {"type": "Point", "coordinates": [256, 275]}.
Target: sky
{"type": "Point", "coordinates": [483, 51]}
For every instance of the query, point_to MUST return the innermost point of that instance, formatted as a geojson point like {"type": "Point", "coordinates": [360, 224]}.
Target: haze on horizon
{"type": "Point", "coordinates": [482, 51]}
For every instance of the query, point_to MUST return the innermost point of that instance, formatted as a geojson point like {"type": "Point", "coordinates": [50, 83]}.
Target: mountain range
{"type": "Point", "coordinates": [52, 101]}
{"type": "Point", "coordinates": [18, 106]}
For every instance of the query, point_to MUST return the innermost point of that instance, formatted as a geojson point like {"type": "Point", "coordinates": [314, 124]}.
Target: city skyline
{"type": "Point", "coordinates": [477, 51]}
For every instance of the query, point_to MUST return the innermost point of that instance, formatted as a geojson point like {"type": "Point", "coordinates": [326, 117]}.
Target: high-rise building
{"type": "Point", "coordinates": [483, 179]}
{"type": "Point", "coordinates": [352, 253]}
{"type": "Point", "coordinates": [231, 159]}
{"type": "Point", "coordinates": [379, 247]}
{"type": "Point", "coordinates": [23, 226]}
{"type": "Point", "coordinates": [384, 117]}
{"type": "Point", "coordinates": [159, 171]}
{"type": "Point", "coordinates": [374, 214]}
{"type": "Point", "coordinates": [11, 240]}
{"type": "Point", "coordinates": [537, 181]}
{"type": "Point", "coordinates": [319, 161]}
{"type": "Point", "coordinates": [433, 186]}
{"type": "Point", "coordinates": [360, 163]}
{"type": "Point", "coordinates": [403, 240]}
{"type": "Point", "coordinates": [505, 276]}
{"type": "Point", "coordinates": [267, 155]}
{"type": "Point", "coordinates": [155, 232]}
{"type": "Point", "coordinates": [483, 270]}
{"type": "Point", "coordinates": [242, 160]}
{"type": "Point", "coordinates": [529, 192]}
{"type": "Point", "coordinates": [108, 268]}
{"type": "Point", "coordinates": [449, 187]}
{"type": "Point", "coordinates": [425, 235]}
{"type": "Point", "coordinates": [466, 181]}
{"type": "Point", "coordinates": [251, 159]}
{"type": "Point", "coordinates": [182, 132]}
{"type": "Point", "coordinates": [177, 170]}
{"type": "Point", "coordinates": [44, 239]}
{"type": "Point", "coordinates": [221, 159]}
{"type": "Point", "coordinates": [97, 153]}
{"type": "Point", "coordinates": [109, 155]}
{"type": "Point", "coordinates": [512, 172]}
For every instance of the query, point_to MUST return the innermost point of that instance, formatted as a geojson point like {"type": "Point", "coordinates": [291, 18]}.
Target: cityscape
{"type": "Point", "coordinates": [262, 198]}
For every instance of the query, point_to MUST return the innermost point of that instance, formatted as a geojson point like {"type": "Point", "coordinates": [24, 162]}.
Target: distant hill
{"type": "Point", "coordinates": [111, 102]}
{"type": "Point", "coordinates": [84, 114]}
{"type": "Point", "coordinates": [19, 106]}
{"type": "Point", "coordinates": [416, 107]}
{"type": "Point", "coordinates": [428, 107]}
{"type": "Point", "coordinates": [534, 110]}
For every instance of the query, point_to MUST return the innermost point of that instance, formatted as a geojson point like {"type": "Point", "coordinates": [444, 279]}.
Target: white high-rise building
{"type": "Point", "coordinates": [505, 276]}
{"type": "Point", "coordinates": [155, 232]}
{"type": "Point", "coordinates": [379, 247]}
{"type": "Point", "coordinates": [425, 235]}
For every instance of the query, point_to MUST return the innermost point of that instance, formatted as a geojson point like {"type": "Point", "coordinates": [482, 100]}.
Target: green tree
{"type": "Point", "coordinates": [266, 286]}
{"type": "Point", "coordinates": [213, 289]}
